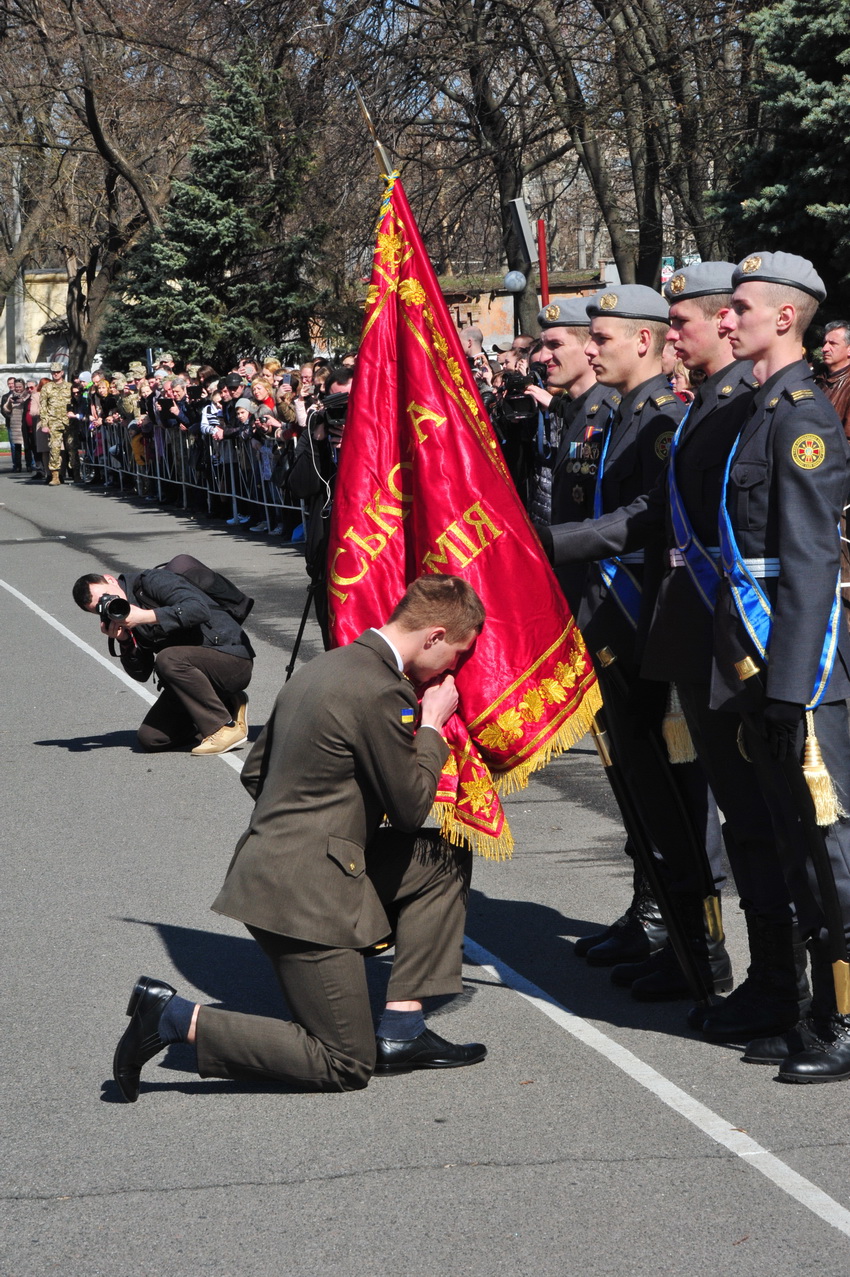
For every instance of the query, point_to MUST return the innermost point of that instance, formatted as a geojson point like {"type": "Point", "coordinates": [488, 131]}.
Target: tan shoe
{"type": "Point", "coordinates": [241, 715]}
{"type": "Point", "coordinates": [54, 479]}
{"type": "Point", "coordinates": [226, 738]}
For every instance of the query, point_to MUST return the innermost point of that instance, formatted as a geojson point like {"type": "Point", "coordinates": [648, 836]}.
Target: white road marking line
{"type": "Point", "coordinates": [138, 688]}
{"type": "Point", "coordinates": [707, 1121]}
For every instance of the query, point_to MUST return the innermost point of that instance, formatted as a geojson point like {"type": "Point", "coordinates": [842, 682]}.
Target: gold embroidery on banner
{"type": "Point", "coordinates": [532, 707]}
{"type": "Point", "coordinates": [577, 659]}
{"type": "Point", "coordinates": [411, 292]}
{"type": "Point", "coordinates": [390, 249]}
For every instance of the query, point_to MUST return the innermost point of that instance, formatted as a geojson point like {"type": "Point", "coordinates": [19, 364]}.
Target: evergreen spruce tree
{"type": "Point", "coordinates": [794, 191]}
{"type": "Point", "coordinates": [223, 278]}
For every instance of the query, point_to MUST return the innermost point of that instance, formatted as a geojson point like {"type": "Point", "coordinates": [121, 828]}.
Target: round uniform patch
{"type": "Point", "coordinates": [808, 452]}
{"type": "Point", "coordinates": [662, 444]}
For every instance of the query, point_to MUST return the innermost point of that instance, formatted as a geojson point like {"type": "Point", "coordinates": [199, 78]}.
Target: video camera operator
{"type": "Point", "coordinates": [313, 476]}
{"type": "Point", "coordinates": [182, 622]}
{"type": "Point", "coordinates": [520, 426]}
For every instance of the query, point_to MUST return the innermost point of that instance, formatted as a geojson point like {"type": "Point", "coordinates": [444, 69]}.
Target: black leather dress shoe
{"type": "Point", "coordinates": [427, 1051]}
{"type": "Point", "coordinates": [140, 1041]}
{"type": "Point", "coordinates": [824, 1061]}
{"type": "Point", "coordinates": [809, 1033]}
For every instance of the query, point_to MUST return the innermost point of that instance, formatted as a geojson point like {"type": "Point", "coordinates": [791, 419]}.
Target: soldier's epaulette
{"type": "Point", "coordinates": [661, 400]}
{"type": "Point", "coordinates": [799, 395]}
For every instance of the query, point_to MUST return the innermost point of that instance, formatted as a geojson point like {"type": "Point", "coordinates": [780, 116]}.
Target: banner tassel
{"type": "Point", "coordinates": [827, 807]}
{"type": "Point", "coordinates": [675, 730]}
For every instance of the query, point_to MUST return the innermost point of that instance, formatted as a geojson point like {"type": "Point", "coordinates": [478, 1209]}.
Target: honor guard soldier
{"type": "Point", "coordinates": [680, 641]}
{"type": "Point", "coordinates": [583, 406]}
{"type": "Point", "coordinates": [628, 328]}
{"type": "Point", "coordinates": [782, 654]}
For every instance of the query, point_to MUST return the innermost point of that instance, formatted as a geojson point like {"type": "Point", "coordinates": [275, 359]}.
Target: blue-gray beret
{"type": "Point", "coordinates": [629, 301]}
{"type": "Point", "coordinates": [565, 312]}
{"type": "Point", "coordinates": [702, 280]}
{"type": "Point", "coordinates": [781, 268]}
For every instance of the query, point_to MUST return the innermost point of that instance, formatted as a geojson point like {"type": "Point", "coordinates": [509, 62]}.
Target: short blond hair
{"type": "Point", "coordinates": [440, 600]}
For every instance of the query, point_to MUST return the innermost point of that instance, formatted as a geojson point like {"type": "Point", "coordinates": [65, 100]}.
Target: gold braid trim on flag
{"type": "Point", "coordinates": [486, 845]}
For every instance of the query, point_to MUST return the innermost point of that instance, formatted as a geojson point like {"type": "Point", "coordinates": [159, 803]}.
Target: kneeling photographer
{"type": "Point", "coordinates": [312, 479]}
{"type": "Point", "coordinates": [182, 622]}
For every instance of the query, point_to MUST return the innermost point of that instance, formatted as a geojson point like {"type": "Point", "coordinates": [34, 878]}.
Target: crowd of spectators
{"type": "Point", "coordinates": [226, 442]}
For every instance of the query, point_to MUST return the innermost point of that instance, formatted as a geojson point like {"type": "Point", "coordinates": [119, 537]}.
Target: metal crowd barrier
{"type": "Point", "coordinates": [155, 464]}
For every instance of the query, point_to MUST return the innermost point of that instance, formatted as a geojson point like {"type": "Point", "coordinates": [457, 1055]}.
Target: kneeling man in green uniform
{"type": "Point", "coordinates": [317, 881]}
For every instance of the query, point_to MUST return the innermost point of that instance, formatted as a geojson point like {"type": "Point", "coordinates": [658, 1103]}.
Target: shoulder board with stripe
{"type": "Point", "coordinates": [659, 400]}
{"type": "Point", "coordinates": [797, 395]}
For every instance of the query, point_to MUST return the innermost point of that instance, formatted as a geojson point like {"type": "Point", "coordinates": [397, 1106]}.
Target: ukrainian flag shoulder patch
{"type": "Point", "coordinates": [408, 716]}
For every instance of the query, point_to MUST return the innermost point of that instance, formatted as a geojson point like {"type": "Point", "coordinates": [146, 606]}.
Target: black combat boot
{"type": "Point", "coordinates": [661, 979]}
{"type": "Point", "coordinates": [636, 935]}
{"type": "Point", "coordinates": [773, 998]}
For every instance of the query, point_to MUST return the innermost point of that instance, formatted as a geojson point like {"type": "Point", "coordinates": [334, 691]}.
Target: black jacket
{"type": "Point", "coordinates": [185, 617]}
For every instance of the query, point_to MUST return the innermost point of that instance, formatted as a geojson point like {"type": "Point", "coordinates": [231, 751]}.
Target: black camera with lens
{"type": "Point", "coordinates": [334, 408]}
{"type": "Point", "coordinates": [516, 408]}
{"type": "Point", "coordinates": [112, 609]}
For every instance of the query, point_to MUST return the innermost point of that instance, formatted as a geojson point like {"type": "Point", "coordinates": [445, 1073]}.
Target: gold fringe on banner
{"type": "Point", "coordinates": [827, 807]}
{"type": "Point", "coordinates": [568, 734]}
{"type": "Point", "coordinates": [675, 730]}
{"type": "Point", "coordinates": [500, 846]}
{"type": "Point", "coordinates": [483, 844]}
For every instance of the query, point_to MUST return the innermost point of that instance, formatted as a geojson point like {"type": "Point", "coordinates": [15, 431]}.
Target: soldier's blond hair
{"type": "Point", "coordinates": [440, 600]}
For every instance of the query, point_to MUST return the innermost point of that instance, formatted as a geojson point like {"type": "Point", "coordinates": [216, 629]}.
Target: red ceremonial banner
{"type": "Point", "coordinates": [422, 487]}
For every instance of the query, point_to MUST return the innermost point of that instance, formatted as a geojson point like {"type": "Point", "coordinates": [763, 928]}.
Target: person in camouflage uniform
{"type": "Point", "coordinates": [55, 397]}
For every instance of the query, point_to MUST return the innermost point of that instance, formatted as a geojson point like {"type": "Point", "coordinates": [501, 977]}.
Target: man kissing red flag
{"type": "Point", "coordinates": [422, 487]}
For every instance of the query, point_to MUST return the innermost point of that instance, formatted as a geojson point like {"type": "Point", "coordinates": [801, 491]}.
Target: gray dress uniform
{"type": "Point", "coordinates": [788, 483]}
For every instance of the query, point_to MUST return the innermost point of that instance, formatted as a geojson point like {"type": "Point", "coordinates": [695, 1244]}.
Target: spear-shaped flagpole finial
{"type": "Point", "coordinates": [386, 162]}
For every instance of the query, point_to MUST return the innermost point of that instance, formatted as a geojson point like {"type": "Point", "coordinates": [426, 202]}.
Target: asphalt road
{"type": "Point", "coordinates": [599, 1137]}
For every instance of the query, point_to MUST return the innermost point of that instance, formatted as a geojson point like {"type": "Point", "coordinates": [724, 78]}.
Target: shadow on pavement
{"type": "Point", "coordinates": [109, 740]}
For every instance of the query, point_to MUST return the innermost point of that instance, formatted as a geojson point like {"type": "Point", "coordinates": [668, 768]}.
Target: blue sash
{"type": "Point", "coordinates": [615, 576]}
{"type": "Point", "coordinates": [701, 567]}
{"type": "Point", "coordinates": [753, 605]}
